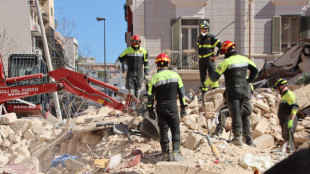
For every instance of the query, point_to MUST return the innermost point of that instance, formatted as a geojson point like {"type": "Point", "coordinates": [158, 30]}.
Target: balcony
{"type": "Point", "coordinates": [189, 60]}
{"type": "Point", "coordinates": [33, 6]}
{"type": "Point", "coordinates": [35, 30]}
{"type": "Point", "coordinates": [45, 16]}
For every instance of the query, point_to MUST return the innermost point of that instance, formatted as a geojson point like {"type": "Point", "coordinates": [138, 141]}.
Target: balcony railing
{"type": "Point", "coordinates": [35, 29]}
{"type": "Point", "coordinates": [189, 60]}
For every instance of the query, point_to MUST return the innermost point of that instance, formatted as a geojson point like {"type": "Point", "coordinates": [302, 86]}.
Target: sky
{"type": "Point", "coordinates": [80, 16]}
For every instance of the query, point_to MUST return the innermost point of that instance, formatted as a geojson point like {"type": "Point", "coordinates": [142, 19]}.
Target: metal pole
{"type": "Point", "coordinates": [250, 10]}
{"type": "Point", "coordinates": [105, 64]}
{"type": "Point", "coordinates": [48, 60]}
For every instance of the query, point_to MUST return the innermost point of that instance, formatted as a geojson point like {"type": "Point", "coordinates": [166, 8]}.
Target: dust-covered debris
{"type": "Point", "coordinates": [113, 138]}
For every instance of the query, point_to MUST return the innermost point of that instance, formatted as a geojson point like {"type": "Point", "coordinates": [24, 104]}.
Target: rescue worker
{"type": "Point", "coordinates": [234, 67]}
{"type": "Point", "coordinates": [246, 111]}
{"type": "Point", "coordinates": [206, 43]}
{"type": "Point", "coordinates": [287, 112]}
{"type": "Point", "coordinates": [165, 85]}
{"type": "Point", "coordinates": [136, 57]}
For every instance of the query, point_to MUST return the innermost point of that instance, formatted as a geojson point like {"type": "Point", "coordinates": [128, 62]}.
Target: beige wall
{"type": "Point", "coordinates": [229, 20]}
{"type": "Point", "coordinates": [15, 35]}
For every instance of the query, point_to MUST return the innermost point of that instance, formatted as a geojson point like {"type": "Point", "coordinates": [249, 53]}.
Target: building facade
{"type": "Point", "coordinates": [20, 32]}
{"type": "Point", "coordinates": [71, 52]}
{"type": "Point", "coordinates": [260, 29]}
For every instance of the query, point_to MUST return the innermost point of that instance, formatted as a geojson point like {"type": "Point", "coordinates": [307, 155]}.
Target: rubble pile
{"type": "Point", "coordinates": [106, 140]}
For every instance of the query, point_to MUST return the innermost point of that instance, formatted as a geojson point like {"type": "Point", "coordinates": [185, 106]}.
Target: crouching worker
{"type": "Point", "coordinates": [165, 85]}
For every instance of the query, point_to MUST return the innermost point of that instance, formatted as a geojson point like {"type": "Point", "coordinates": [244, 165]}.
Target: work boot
{"type": "Point", "coordinates": [178, 157]}
{"type": "Point", "coordinates": [165, 157]}
{"type": "Point", "coordinates": [237, 140]}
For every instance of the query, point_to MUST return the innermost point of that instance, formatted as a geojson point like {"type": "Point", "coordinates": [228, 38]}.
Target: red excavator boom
{"type": "Point", "coordinates": [71, 81]}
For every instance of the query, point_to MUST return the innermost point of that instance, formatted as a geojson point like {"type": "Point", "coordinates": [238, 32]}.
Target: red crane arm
{"type": "Point", "coordinates": [71, 81]}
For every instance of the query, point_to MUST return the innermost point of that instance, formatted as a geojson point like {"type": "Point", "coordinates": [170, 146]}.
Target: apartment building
{"type": "Point", "coordinates": [17, 28]}
{"type": "Point", "coordinates": [20, 32]}
{"type": "Point", "coordinates": [71, 52]}
{"type": "Point", "coordinates": [261, 29]}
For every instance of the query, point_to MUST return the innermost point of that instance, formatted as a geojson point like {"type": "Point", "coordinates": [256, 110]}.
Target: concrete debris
{"type": "Point", "coordinates": [94, 139]}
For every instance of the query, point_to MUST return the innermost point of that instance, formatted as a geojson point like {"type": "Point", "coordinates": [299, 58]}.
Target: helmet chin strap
{"type": "Point", "coordinates": [281, 88]}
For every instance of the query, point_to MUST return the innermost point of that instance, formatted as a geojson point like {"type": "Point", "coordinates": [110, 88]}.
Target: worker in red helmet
{"type": "Point", "coordinates": [246, 111]}
{"type": "Point", "coordinates": [206, 43]}
{"type": "Point", "coordinates": [235, 69]}
{"type": "Point", "coordinates": [165, 85]}
{"type": "Point", "coordinates": [136, 58]}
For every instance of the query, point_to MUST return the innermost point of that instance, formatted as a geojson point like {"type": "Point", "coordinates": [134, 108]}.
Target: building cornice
{"type": "Point", "coordinates": [289, 2]}
{"type": "Point", "coordinates": [189, 2]}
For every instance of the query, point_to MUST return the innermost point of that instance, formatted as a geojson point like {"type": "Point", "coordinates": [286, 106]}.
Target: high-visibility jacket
{"type": "Point", "coordinates": [206, 45]}
{"type": "Point", "coordinates": [165, 85]}
{"type": "Point", "coordinates": [288, 100]}
{"type": "Point", "coordinates": [234, 69]}
{"type": "Point", "coordinates": [135, 59]}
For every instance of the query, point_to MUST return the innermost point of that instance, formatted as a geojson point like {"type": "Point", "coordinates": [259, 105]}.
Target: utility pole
{"type": "Point", "coordinates": [48, 60]}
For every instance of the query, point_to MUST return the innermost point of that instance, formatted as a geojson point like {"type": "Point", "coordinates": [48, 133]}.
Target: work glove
{"type": "Point", "coordinates": [290, 124]}
{"type": "Point", "coordinates": [182, 112]}
{"type": "Point", "coordinates": [151, 113]}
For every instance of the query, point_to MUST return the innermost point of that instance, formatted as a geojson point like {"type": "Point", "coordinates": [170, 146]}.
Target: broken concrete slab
{"type": "Point", "coordinates": [263, 141]}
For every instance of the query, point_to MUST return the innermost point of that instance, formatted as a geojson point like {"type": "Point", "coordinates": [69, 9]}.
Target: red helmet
{"type": "Point", "coordinates": [135, 41]}
{"type": "Point", "coordinates": [162, 58]}
{"type": "Point", "coordinates": [226, 45]}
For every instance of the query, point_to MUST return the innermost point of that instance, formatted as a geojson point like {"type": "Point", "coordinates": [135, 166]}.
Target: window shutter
{"type": "Point", "coordinates": [276, 35]}
{"type": "Point", "coordinates": [305, 27]}
{"type": "Point", "coordinates": [176, 41]}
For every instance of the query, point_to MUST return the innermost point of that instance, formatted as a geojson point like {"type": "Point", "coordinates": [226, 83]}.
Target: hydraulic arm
{"type": "Point", "coordinates": [70, 81]}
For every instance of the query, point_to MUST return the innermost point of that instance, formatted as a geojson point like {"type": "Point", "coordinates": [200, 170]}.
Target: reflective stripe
{"type": "Point", "coordinates": [166, 59]}
{"type": "Point", "coordinates": [166, 81]}
{"type": "Point", "coordinates": [237, 65]}
{"type": "Point", "coordinates": [207, 55]}
{"type": "Point", "coordinates": [135, 54]}
{"type": "Point", "coordinates": [216, 43]}
{"type": "Point", "coordinates": [206, 46]}
{"type": "Point", "coordinates": [227, 46]}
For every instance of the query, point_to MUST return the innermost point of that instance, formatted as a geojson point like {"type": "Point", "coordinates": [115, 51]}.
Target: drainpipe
{"type": "Point", "coordinates": [250, 34]}
{"type": "Point", "coordinates": [48, 60]}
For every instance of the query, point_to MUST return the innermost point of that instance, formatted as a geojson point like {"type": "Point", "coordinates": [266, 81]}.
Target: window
{"type": "Point", "coordinates": [52, 14]}
{"type": "Point", "coordinates": [287, 30]}
{"type": "Point", "coordinates": [290, 32]}
{"type": "Point", "coordinates": [184, 33]}
{"type": "Point", "coordinates": [190, 30]}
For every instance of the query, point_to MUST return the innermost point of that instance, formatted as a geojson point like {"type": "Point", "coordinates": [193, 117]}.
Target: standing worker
{"type": "Point", "coordinates": [136, 57]}
{"type": "Point", "coordinates": [287, 112]}
{"type": "Point", "coordinates": [246, 111]}
{"type": "Point", "coordinates": [166, 85]}
{"type": "Point", "coordinates": [206, 44]}
{"type": "Point", "coordinates": [234, 67]}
